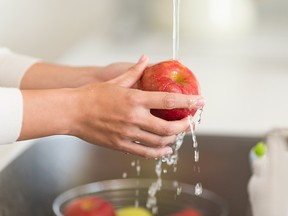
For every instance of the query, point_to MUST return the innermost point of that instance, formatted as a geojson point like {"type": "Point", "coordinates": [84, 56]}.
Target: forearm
{"type": "Point", "coordinates": [46, 112]}
{"type": "Point", "coordinates": [48, 76]}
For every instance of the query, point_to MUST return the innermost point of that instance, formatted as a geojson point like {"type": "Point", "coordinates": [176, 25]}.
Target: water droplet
{"type": "Point", "coordinates": [136, 203]}
{"type": "Point", "coordinates": [196, 155]}
{"type": "Point", "coordinates": [175, 169]}
{"type": "Point", "coordinates": [124, 175]}
{"type": "Point", "coordinates": [133, 163]}
{"type": "Point", "coordinates": [198, 189]}
{"type": "Point", "coordinates": [191, 104]}
{"type": "Point", "coordinates": [158, 168]}
{"type": "Point", "coordinates": [152, 201]}
{"type": "Point", "coordinates": [195, 143]}
{"type": "Point", "coordinates": [192, 129]}
{"type": "Point", "coordinates": [179, 191]}
{"type": "Point", "coordinates": [138, 169]}
{"type": "Point", "coordinates": [199, 116]}
{"type": "Point", "coordinates": [155, 210]}
{"type": "Point", "coordinates": [193, 120]}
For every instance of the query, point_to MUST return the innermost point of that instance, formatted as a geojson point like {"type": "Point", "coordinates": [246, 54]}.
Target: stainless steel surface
{"type": "Point", "coordinates": [29, 184]}
{"type": "Point", "coordinates": [122, 193]}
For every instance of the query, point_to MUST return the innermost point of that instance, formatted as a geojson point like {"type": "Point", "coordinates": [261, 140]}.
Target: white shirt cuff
{"type": "Point", "coordinates": [11, 113]}
{"type": "Point", "coordinates": [13, 67]}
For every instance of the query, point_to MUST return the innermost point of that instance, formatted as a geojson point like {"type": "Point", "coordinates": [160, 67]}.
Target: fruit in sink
{"type": "Point", "coordinates": [133, 211]}
{"type": "Point", "coordinates": [89, 206]}
{"type": "Point", "coordinates": [170, 76]}
{"type": "Point", "coordinates": [188, 212]}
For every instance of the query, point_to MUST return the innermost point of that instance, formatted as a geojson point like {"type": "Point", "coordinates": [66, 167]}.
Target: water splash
{"type": "Point", "coordinates": [198, 189]}
{"type": "Point", "coordinates": [193, 121]}
{"type": "Point", "coordinates": [124, 175]}
{"type": "Point", "coordinates": [154, 188]}
{"type": "Point", "coordinates": [133, 163]}
{"type": "Point", "coordinates": [196, 155]}
{"type": "Point", "coordinates": [138, 168]}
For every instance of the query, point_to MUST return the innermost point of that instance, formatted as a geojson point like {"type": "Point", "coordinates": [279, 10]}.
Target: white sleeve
{"type": "Point", "coordinates": [13, 66]}
{"type": "Point", "coordinates": [11, 113]}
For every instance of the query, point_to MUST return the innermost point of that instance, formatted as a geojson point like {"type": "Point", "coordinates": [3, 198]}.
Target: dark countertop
{"type": "Point", "coordinates": [52, 165]}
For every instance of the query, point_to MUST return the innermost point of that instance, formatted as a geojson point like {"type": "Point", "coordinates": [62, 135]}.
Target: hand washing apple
{"type": "Point", "coordinates": [89, 206]}
{"type": "Point", "coordinates": [170, 76]}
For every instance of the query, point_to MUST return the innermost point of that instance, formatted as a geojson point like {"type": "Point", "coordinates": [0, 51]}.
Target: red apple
{"type": "Point", "coordinates": [188, 212]}
{"type": "Point", "coordinates": [89, 206]}
{"type": "Point", "coordinates": [170, 76]}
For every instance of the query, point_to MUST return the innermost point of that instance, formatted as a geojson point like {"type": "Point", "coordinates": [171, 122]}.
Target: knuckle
{"type": "Point", "coordinates": [149, 153]}
{"type": "Point", "coordinates": [117, 144]}
{"type": "Point", "coordinates": [118, 140]}
{"type": "Point", "coordinates": [169, 130]}
{"type": "Point", "coordinates": [125, 133]}
{"type": "Point", "coordinates": [133, 68]}
{"type": "Point", "coordinates": [132, 98]}
{"type": "Point", "coordinates": [172, 139]}
{"type": "Point", "coordinates": [162, 141]}
{"type": "Point", "coordinates": [169, 101]}
{"type": "Point", "coordinates": [131, 118]}
{"type": "Point", "coordinates": [146, 155]}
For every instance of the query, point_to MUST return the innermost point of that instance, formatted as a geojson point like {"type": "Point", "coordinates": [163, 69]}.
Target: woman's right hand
{"type": "Point", "coordinates": [114, 115]}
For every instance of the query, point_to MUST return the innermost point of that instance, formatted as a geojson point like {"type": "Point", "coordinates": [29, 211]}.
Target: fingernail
{"type": "Point", "coordinates": [143, 58]}
{"type": "Point", "coordinates": [196, 102]}
{"type": "Point", "coordinates": [200, 103]}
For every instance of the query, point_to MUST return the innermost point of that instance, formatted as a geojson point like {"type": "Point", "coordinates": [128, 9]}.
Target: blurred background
{"type": "Point", "coordinates": [238, 49]}
{"type": "Point", "coordinates": [49, 28]}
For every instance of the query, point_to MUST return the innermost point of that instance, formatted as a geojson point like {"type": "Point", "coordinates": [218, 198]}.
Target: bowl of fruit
{"type": "Point", "coordinates": [132, 197]}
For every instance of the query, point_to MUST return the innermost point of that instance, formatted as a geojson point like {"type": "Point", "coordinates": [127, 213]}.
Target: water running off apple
{"type": "Point", "coordinates": [179, 79]}
{"type": "Point", "coordinates": [192, 122]}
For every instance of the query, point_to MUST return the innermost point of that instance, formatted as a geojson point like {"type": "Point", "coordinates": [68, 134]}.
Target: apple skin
{"type": "Point", "coordinates": [170, 76]}
{"type": "Point", "coordinates": [188, 212]}
{"type": "Point", "coordinates": [89, 206]}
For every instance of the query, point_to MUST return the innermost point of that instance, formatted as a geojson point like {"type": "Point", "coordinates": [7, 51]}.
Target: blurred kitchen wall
{"type": "Point", "coordinates": [47, 28]}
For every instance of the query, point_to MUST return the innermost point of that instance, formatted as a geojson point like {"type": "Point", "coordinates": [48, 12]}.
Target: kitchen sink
{"type": "Point", "coordinates": [29, 185]}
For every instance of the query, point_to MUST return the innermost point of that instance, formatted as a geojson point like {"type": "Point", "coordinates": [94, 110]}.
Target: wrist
{"type": "Point", "coordinates": [68, 111]}
{"type": "Point", "coordinates": [73, 112]}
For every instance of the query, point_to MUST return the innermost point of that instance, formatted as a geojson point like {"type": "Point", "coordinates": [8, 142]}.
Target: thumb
{"type": "Point", "coordinates": [129, 78]}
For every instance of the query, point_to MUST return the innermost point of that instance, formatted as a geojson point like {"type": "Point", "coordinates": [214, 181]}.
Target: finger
{"type": "Point", "coordinates": [146, 151]}
{"type": "Point", "coordinates": [151, 139]}
{"type": "Point", "coordinates": [162, 127]}
{"type": "Point", "coordinates": [129, 78]}
{"type": "Point", "coordinates": [166, 100]}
